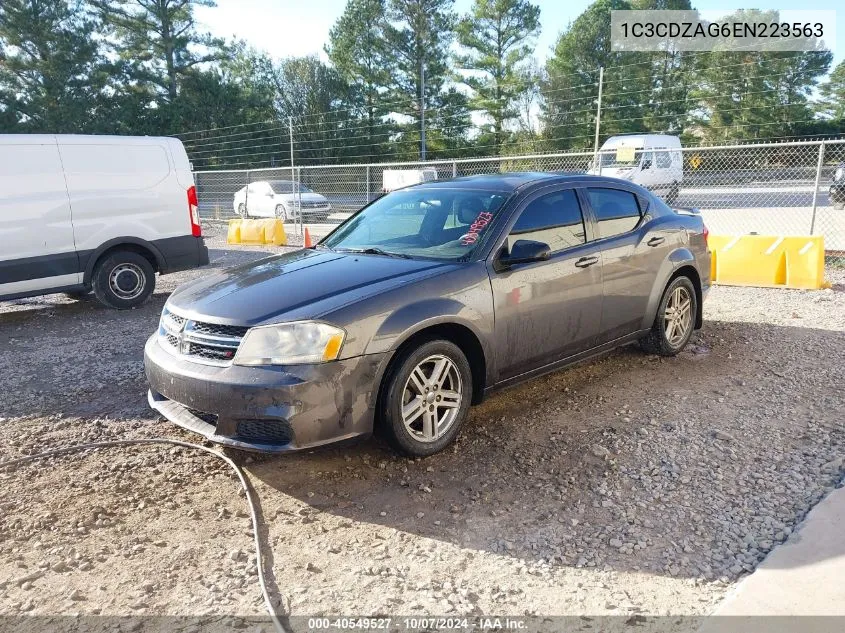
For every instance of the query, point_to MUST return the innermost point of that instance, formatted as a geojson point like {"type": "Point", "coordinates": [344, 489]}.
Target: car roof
{"type": "Point", "coordinates": [509, 182]}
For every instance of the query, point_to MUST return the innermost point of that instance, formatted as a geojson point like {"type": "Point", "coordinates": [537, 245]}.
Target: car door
{"type": "Point", "coordinates": [632, 250]}
{"type": "Point", "coordinates": [38, 250]}
{"type": "Point", "coordinates": [546, 310]}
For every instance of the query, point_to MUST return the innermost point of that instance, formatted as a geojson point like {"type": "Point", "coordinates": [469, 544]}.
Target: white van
{"type": "Point", "coordinates": [101, 213]}
{"type": "Point", "coordinates": [653, 161]}
{"type": "Point", "coordinates": [392, 179]}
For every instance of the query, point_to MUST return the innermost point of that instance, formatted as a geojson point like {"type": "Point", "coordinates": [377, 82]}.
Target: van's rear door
{"type": "Point", "coordinates": [36, 233]}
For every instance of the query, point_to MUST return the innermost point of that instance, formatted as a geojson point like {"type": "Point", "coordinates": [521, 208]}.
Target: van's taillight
{"type": "Point", "coordinates": [194, 212]}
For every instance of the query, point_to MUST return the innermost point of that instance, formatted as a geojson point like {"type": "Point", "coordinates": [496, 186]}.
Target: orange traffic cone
{"type": "Point", "coordinates": [308, 243]}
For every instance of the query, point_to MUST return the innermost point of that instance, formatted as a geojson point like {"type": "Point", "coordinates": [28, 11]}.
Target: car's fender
{"type": "Point", "coordinates": [679, 257]}
{"type": "Point", "coordinates": [412, 318]}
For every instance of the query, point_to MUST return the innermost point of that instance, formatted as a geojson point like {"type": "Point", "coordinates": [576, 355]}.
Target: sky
{"type": "Point", "coordinates": [285, 28]}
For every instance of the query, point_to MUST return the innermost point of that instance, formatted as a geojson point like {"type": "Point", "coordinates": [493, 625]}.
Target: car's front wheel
{"type": "Point", "coordinates": [242, 210]}
{"type": "Point", "coordinates": [675, 320]}
{"type": "Point", "coordinates": [427, 398]}
{"type": "Point", "coordinates": [282, 212]}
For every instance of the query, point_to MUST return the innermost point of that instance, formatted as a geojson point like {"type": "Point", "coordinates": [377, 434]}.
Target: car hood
{"type": "Point", "coordinates": [298, 285]}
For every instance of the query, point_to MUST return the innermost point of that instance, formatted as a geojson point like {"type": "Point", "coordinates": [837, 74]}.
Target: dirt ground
{"type": "Point", "coordinates": [626, 485]}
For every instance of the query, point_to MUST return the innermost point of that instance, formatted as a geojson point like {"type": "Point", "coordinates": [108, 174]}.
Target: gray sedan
{"type": "Point", "coordinates": [421, 304]}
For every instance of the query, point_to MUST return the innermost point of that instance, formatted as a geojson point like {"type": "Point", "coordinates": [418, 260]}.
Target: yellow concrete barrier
{"type": "Point", "coordinates": [234, 234]}
{"type": "Point", "coordinates": [257, 232]}
{"type": "Point", "coordinates": [768, 261]}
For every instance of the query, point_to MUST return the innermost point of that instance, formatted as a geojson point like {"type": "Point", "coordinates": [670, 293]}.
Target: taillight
{"type": "Point", "coordinates": [706, 234]}
{"type": "Point", "coordinates": [194, 212]}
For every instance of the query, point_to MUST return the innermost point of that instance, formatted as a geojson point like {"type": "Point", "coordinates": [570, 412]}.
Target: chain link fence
{"type": "Point", "coordinates": [772, 188]}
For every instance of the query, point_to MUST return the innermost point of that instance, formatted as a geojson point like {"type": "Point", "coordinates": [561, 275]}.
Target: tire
{"type": "Point", "coordinates": [672, 196]}
{"type": "Point", "coordinates": [282, 212]}
{"type": "Point", "coordinates": [406, 433]}
{"type": "Point", "coordinates": [664, 339]}
{"type": "Point", "coordinates": [123, 280]}
{"type": "Point", "coordinates": [839, 206]}
{"type": "Point", "coordinates": [242, 210]}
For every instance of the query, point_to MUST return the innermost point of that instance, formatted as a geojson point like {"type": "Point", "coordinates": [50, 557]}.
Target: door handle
{"type": "Point", "coordinates": [586, 261]}
{"type": "Point", "coordinates": [656, 241]}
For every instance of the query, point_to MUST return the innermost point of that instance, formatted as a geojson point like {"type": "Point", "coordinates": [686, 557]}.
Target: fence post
{"type": "Point", "coordinates": [816, 187]}
{"type": "Point", "coordinates": [454, 168]}
{"type": "Point", "coordinates": [367, 193]}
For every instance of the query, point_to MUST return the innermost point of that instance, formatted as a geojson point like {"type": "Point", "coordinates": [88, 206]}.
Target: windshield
{"type": "Point", "coordinates": [286, 186]}
{"type": "Point", "coordinates": [611, 159]}
{"type": "Point", "coordinates": [446, 224]}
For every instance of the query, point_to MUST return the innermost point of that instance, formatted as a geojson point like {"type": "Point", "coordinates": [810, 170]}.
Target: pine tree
{"type": "Point", "coordinates": [52, 72]}
{"type": "Point", "coordinates": [418, 34]}
{"type": "Point", "coordinates": [497, 35]}
{"type": "Point", "coordinates": [159, 44]}
{"type": "Point", "coordinates": [358, 52]}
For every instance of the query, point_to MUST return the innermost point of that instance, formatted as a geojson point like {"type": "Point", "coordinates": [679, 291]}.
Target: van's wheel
{"type": "Point", "coordinates": [674, 192]}
{"type": "Point", "coordinates": [675, 320]}
{"type": "Point", "coordinates": [123, 280]}
{"type": "Point", "coordinates": [282, 212]}
{"type": "Point", "coordinates": [242, 210]}
{"type": "Point", "coordinates": [427, 398]}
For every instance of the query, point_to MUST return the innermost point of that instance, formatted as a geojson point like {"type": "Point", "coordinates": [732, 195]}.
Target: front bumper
{"type": "Point", "coordinates": [266, 409]}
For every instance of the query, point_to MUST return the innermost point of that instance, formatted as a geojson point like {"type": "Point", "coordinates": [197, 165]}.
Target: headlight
{"type": "Point", "coordinates": [290, 344]}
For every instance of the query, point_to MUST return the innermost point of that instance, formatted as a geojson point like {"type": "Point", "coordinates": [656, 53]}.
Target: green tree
{"type": "Point", "coordinates": [418, 33]}
{"type": "Point", "coordinates": [357, 50]}
{"type": "Point", "coordinates": [755, 95]}
{"type": "Point", "coordinates": [831, 103]}
{"type": "Point", "coordinates": [571, 86]}
{"type": "Point", "coordinates": [497, 36]}
{"type": "Point", "coordinates": [52, 73]}
{"type": "Point", "coordinates": [160, 45]}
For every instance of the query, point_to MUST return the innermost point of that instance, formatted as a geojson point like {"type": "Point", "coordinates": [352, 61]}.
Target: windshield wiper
{"type": "Point", "coordinates": [372, 250]}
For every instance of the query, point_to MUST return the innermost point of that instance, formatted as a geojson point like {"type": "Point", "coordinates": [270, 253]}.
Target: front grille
{"type": "Point", "coordinates": [265, 431]}
{"type": "Point", "coordinates": [313, 205]}
{"type": "Point", "coordinates": [203, 342]}
{"type": "Point", "coordinates": [220, 330]}
{"type": "Point", "coordinates": [211, 352]}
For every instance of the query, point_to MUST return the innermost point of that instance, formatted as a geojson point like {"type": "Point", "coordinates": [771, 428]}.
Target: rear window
{"type": "Point", "coordinates": [617, 211]}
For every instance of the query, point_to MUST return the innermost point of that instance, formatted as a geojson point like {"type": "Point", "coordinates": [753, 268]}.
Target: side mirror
{"type": "Point", "coordinates": [524, 251]}
{"type": "Point", "coordinates": [269, 194]}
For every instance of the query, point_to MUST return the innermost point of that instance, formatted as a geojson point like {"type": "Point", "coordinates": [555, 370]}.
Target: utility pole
{"type": "Point", "coordinates": [422, 109]}
{"type": "Point", "coordinates": [598, 119]}
{"type": "Point", "coordinates": [290, 131]}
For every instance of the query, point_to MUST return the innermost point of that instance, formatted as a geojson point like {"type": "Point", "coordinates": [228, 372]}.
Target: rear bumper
{"type": "Point", "coordinates": [182, 253]}
{"type": "Point", "coordinates": [266, 409]}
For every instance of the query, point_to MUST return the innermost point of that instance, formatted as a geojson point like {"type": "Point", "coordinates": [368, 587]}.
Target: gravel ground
{"type": "Point", "coordinates": [627, 485]}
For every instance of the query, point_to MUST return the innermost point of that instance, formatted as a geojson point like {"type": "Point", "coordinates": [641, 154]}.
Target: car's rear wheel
{"type": "Point", "coordinates": [427, 398]}
{"type": "Point", "coordinates": [123, 280]}
{"type": "Point", "coordinates": [282, 212]}
{"type": "Point", "coordinates": [675, 320]}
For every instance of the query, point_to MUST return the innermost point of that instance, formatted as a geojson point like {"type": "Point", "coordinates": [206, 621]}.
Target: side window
{"type": "Point", "coordinates": [554, 218]}
{"type": "Point", "coordinates": [664, 159]}
{"type": "Point", "coordinates": [616, 211]}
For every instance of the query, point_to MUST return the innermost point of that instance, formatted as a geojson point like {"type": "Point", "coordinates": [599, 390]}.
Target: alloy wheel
{"type": "Point", "coordinates": [431, 398]}
{"type": "Point", "coordinates": [678, 316]}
